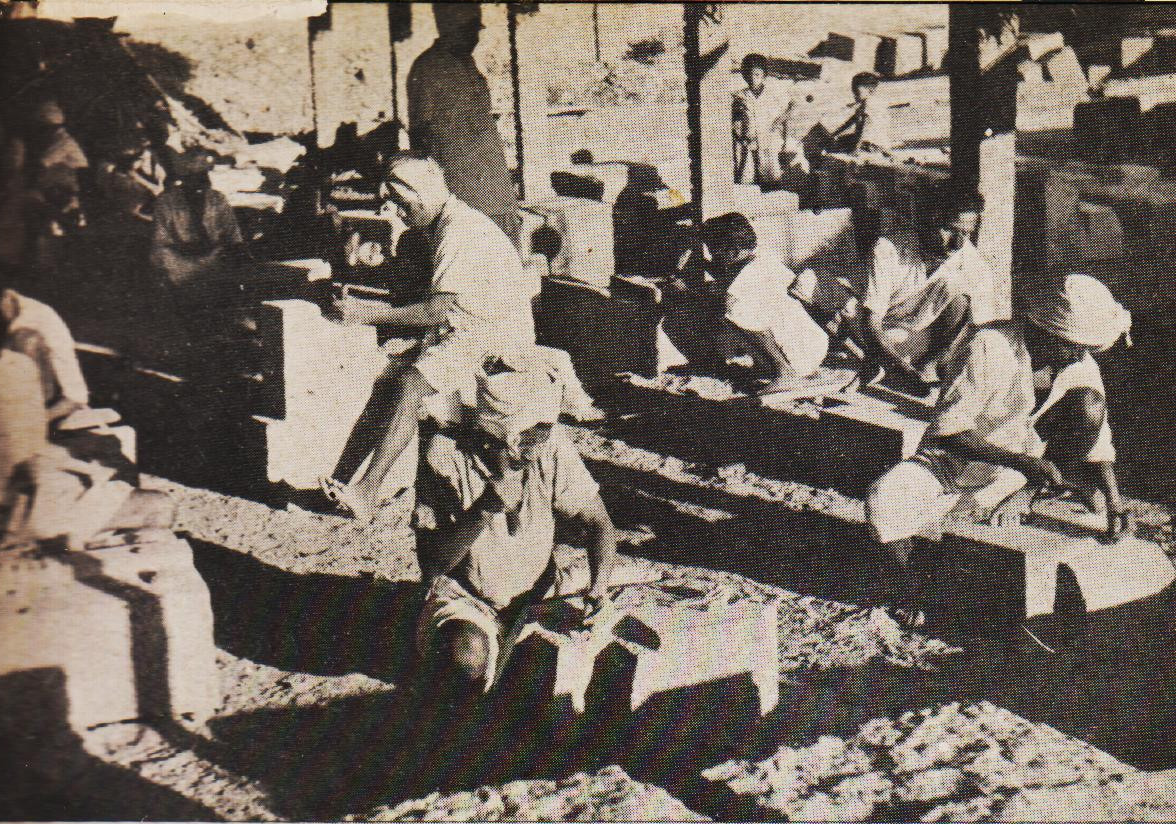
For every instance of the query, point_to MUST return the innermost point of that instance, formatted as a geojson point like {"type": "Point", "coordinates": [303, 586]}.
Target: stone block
{"type": "Point", "coordinates": [675, 646]}
{"type": "Point", "coordinates": [1109, 575]}
{"type": "Point", "coordinates": [1132, 48]}
{"type": "Point", "coordinates": [171, 623]}
{"type": "Point", "coordinates": [818, 235]}
{"type": "Point", "coordinates": [909, 54]}
{"type": "Point", "coordinates": [843, 47]}
{"type": "Point", "coordinates": [586, 228]}
{"type": "Point", "coordinates": [606, 179]}
{"type": "Point", "coordinates": [130, 627]}
{"type": "Point", "coordinates": [1039, 44]}
{"type": "Point", "coordinates": [1096, 74]}
{"type": "Point", "coordinates": [312, 365]}
{"type": "Point", "coordinates": [1064, 68]}
{"type": "Point", "coordinates": [936, 39]}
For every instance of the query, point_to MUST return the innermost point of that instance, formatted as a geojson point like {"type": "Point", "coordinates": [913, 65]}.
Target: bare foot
{"type": "Point", "coordinates": [346, 499]}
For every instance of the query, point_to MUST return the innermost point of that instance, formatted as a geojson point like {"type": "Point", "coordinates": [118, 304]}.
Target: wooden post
{"type": "Point", "coordinates": [983, 80]}
{"type": "Point", "coordinates": [707, 93]}
{"type": "Point", "coordinates": [692, 15]}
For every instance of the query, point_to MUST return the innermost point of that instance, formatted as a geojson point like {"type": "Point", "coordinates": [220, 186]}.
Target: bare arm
{"type": "Point", "coordinates": [1039, 471]}
{"type": "Point", "coordinates": [423, 315]}
{"type": "Point", "coordinates": [602, 551]}
{"type": "Point", "coordinates": [876, 340]}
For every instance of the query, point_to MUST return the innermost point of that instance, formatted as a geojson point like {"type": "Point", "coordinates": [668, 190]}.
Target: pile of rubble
{"type": "Point", "coordinates": [609, 795]}
{"type": "Point", "coordinates": [956, 762]}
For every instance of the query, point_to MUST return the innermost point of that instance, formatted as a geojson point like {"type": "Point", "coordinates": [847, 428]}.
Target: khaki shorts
{"type": "Point", "coordinates": [911, 500]}
{"type": "Point", "coordinates": [450, 601]}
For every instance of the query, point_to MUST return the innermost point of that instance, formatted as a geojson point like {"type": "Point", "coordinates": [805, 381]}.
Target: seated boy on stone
{"type": "Point", "coordinates": [1023, 409]}
{"type": "Point", "coordinates": [763, 313]}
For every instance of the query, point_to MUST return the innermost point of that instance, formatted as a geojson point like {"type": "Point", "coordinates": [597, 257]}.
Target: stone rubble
{"type": "Point", "coordinates": [953, 762]}
{"type": "Point", "coordinates": [609, 795]}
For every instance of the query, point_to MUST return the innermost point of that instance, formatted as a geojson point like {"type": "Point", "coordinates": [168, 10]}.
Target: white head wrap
{"type": "Point", "coordinates": [423, 175]}
{"type": "Point", "coordinates": [512, 401]}
{"type": "Point", "coordinates": [1083, 312]}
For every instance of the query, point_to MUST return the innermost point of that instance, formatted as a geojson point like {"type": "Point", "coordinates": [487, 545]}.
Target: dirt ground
{"type": "Point", "coordinates": [314, 618]}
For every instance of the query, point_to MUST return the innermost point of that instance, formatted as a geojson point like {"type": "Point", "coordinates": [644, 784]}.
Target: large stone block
{"type": "Point", "coordinates": [586, 229]}
{"type": "Point", "coordinates": [130, 627]}
{"type": "Point", "coordinates": [673, 644]}
{"type": "Point", "coordinates": [936, 38]}
{"type": "Point", "coordinates": [1134, 47]}
{"type": "Point", "coordinates": [1063, 67]}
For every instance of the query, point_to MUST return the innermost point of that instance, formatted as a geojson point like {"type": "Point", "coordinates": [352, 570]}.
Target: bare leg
{"type": "Point", "coordinates": [927, 346]}
{"type": "Point", "coordinates": [403, 428]}
{"type": "Point", "coordinates": [371, 426]}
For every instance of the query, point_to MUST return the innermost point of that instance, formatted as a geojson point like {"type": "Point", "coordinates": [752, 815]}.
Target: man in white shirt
{"type": "Point", "coordinates": [1023, 409]}
{"type": "Point", "coordinates": [479, 305]}
{"type": "Point", "coordinates": [920, 293]}
{"type": "Point", "coordinates": [488, 500]}
{"type": "Point", "coordinates": [35, 329]}
{"type": "Point", "coordinates": [783, 337]}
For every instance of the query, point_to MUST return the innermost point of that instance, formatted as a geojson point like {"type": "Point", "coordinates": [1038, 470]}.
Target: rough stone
{"type": "Point", "coordinates": [609, 795]}
{"type": "Point", "coordinates": [586, 227]}
{"type": "Point", "coordinates": [130, 627]}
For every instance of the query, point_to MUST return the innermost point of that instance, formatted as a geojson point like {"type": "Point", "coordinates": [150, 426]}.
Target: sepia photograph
{"type": "Point", "coordinates": [540, 411]}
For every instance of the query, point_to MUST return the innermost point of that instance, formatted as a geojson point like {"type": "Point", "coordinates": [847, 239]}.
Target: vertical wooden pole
{"type": "Point", "coordinates": [692, 15]}
{"type": "Point", "coordinates": [596, 29]}
{"type": "Point", "coordinates": [983, 82]}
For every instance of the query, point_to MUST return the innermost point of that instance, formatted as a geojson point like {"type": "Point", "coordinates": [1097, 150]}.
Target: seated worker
{"type": "Point", "coordinates": [868, 128]}
{"type": "Point", "coordinates": [479, 305]}
{"type": "Point", "coordinates": [486, 523]}
{"type": "Point", "coordinates": [36, 330]}
{"type": "Point", "coordinates": [920, 293]}
{"type": "Point", "coordinates": [1023, 403]}
{"type": "Point", "coordinates": [45, 493]}
{"type": "Point", "coordinates": [196, 249]}
{"type": "Point", "coordinates": [761, 304]}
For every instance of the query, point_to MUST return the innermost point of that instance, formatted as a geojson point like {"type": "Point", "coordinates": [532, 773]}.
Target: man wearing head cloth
{"type": "Point", "coordinates": [487, 504]}
{"type": "Point", "coordinates": [450, 117]}
{"type": "Point", "coordinates": [1022, 409]}
{"type": "Point", "coordinates": [479, 305]}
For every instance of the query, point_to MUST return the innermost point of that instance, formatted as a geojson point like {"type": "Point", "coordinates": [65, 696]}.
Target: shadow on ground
{"type": "Point", "coordinates": [48, 776]}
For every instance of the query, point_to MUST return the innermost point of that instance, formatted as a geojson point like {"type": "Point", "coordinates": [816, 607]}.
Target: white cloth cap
{"type": "Point", "coordinates": [1083, 312]}
{"type": "Point", "coordinates": [511, 402]}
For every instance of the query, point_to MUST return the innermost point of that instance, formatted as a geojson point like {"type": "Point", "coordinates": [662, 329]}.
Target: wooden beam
{"type": "Point", "coordinates": [983, 82]}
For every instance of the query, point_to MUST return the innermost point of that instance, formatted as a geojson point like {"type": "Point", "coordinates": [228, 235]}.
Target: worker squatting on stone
{"type": "Point", "coordinates": [1022, 410]}
{"type": "Point", "coordinates": [488, 498]}
{"type": "Point", "coordinates": [34, 329]}
{"type": "Point", "coordinates": [762, 304]}
{"type": "Point", "coordinates": [479, 305]}
{"type": "Point", "coordinates": [922, 290]}
{"type": "Point", "coordinates": [47, 494]}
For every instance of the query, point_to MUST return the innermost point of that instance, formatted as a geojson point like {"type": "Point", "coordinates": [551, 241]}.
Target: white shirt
{"type": "Point", "coordinates": [758, 301]}
{"type": "Point", "coordinates": [900, 289]}
{"type": "Point", "coordinates": [501, 566]}
{"type": "Point", "coordinates": [42, 319]}
{"type": "Point", "coordinates": [989, 390]}
{"type": "Point", "coordinates": [477, 263]}
{"type": "Point", "coordinates": [762, 111]}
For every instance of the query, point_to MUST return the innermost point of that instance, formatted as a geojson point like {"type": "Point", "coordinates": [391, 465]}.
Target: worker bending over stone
{"type": "Point", "coordinates": [488, 497]}
{"type": "Point", "coordinates": [479, 305]}
{"type": "Point", "coordinates": [761, 304]}
{"type": "Point", "coordinates": [1022, 410]}
{"type": "Point", "coordinates": [922, 290]}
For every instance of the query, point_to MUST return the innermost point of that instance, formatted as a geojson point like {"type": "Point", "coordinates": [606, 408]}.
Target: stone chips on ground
{"type": "Point", "coordinates": [609, 795]}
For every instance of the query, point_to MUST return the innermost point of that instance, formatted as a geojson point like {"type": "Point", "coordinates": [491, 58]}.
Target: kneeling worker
{"type": "Point", "coordinates": [488, 500]}
{"type": "Point", "coordinates": [1023, 409]}
{"type": "Point", "coordinates": [761, 304]}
